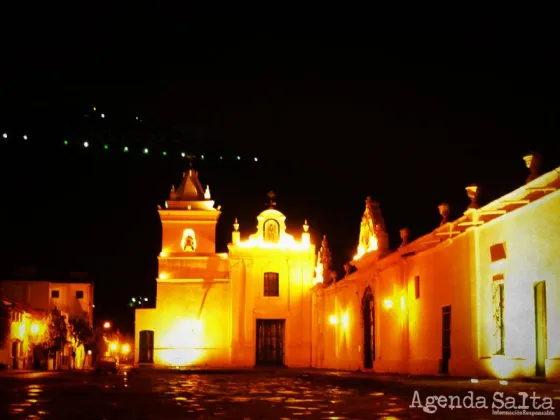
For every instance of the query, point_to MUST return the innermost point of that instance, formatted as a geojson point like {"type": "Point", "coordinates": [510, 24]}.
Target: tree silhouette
{"type": "Point", "coordinates": [82, 334]}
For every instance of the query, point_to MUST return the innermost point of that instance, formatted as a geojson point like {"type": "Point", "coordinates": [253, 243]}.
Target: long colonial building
{"type": "Point", "coordinates": [478, 296]}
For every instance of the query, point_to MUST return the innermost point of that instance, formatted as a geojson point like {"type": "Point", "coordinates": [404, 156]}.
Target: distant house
{"type": "Point", "coordinates": [28, 298]}
{"type": "Point", "coordinates": [72, 295]}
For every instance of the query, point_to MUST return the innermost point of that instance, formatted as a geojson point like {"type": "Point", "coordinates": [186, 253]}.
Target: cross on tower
{"type": "Point", "coordinates": [190, 157]}
{"type": "Point", "coordinates": [271, 196]}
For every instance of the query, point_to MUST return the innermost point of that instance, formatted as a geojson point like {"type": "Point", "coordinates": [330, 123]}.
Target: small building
{"type": "Point", "coordinates": [251, 306]}
{"type": "Point", "coordinates": [71, 296]}
{"type": "Point", "coordinates": [478, 296]}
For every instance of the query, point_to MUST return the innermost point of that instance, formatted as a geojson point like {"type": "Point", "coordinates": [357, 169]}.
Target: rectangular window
{"type": "Point", "coordinates": [55, 294]}
{"type": "Point", "coordinates": [79, 294]}
{"type": "Point", "coordinates": [498, 308]}
{"type": "Point", "coordinates": [497, 252]}
{"type": "Point", "coordinates": [417, 287]}
{"type": "Point", "coordinates": [271, 284]}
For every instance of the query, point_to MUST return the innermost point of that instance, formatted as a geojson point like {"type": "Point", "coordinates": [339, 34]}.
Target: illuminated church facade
{"type": "Point", "coordinates": [479, 296]}
{"type": "Point", "coordinates": [251, 306]}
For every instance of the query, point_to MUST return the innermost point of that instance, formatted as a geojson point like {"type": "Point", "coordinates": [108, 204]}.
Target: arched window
{"type": "Point", "coordinates": [188, 242]}
{"type": "Point", "coordinates": [271, 231]}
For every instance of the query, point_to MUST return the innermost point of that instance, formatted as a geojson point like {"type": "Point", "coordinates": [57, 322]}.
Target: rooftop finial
{"type": "Point", "coordinates": [533, 161]}
{"type": "Point", "coordinates": [444, 212]}
{"type": "Point", "coordinates": [271, 196]}
{"type": "Point", "coordinates": [207, 193]}
{"type": "Point", "coordinates": [236, 225]}
{"type": "Point", "coordinates": [305, 226]}
{"type": "Point", "coordinates": [472, 193]}
{"type": "Point", "coordinates": [405, 236]}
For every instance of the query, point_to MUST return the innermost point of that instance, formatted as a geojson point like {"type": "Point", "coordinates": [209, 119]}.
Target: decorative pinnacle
{"type": "Point", "coordinates": [472, 193]}
{"type": "Point", "coordinates": [236, 225]}
{"type": "Point", "coordinates": [305, 226]}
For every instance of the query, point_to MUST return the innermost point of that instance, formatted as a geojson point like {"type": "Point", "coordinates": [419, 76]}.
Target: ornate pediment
{"type": "Point", "coordinates": [373, 235]}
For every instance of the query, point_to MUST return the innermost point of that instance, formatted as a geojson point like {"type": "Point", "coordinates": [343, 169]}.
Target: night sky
{"type": "Point", "coordinates": [409, 109]}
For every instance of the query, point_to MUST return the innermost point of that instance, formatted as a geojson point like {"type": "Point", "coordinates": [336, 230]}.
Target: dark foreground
{"type": "Point", "coordinates": [280, 394]}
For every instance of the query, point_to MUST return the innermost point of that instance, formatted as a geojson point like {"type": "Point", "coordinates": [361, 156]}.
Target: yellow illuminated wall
{"type": "Point", "coordinates": [294, 262]}
{"type": "Point", "coordinates": [453, 266]}
{"type": "Point", "coordinates": [531, 239]}
{"type": "Point", "coordinates": [208, 304]}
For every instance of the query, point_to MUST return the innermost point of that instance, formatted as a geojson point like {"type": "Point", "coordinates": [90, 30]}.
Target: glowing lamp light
{"type": "Point", "coordinates": [35, 328]}
{"type": "Point", "coordinates": [345, 321]}
{"type": "Point", "coordinates": [145, 299]}
{"type": "Point", "coordinates": [164, 153]}
{"type": "Point", "coordinates": [102, 115]}
{"type": "Point", "coordinates": [238, 157]}
{"type": "Point", "coordinates": [221, 157]}
{"type": "Point", "coordinates": [256, 159]}
{"type": "Point", "coordinates": [5, 135]}
{"type": "Point", "coordinates": [106, 325]}
{"type": "Point", "coordinates": [113, 346]}
{"type": "Point", "coordinates": [125, 348]}
{"type": "Point", "coordinates": [106, 147]}
{"type": "Point", "coordinates": [146, 151]}
{"type": "Point", "coordinates": [86, 144]}
{"type": "Point", "coordinates": [24, 137]}
{"type": "Point", "coordinates": [125, 149]}
{"type": "Point", "coordinates": [183, 154]}
{"type": "Point", "coordinates": [89, 352]}
{"type": "Point", "coordinates": [66, 142]}
{"type": "Point", "coordinates": [164, 276]}
{"type": "Point", "coordinates": [133, 299]}
{"type": "Point", "coordinates": [333, 320]}
{"type": "Point", "coordinates": [388, 303]}
{"type": "Point", "coordinates": [202, 157]}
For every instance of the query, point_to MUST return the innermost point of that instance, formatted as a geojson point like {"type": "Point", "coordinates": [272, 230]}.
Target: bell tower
{"type": "Point", "coordinates": [189, 219]}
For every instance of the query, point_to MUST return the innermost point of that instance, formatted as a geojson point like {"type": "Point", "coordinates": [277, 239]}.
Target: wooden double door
{"type": "Point", "coordinates": [270, 342]}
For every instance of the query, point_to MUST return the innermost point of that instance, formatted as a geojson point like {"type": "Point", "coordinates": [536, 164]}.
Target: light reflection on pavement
{"type": "Point", "coordinates": [152, 395]}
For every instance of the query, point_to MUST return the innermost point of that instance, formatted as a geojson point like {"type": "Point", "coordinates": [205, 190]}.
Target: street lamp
{"type": "Point", "coordinates": [106, 325]}
{"type": "Point", "coordinates": [35, 328]}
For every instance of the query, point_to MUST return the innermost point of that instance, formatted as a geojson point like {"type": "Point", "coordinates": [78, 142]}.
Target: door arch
{"type": "Point", "coordinates": [368, 317]}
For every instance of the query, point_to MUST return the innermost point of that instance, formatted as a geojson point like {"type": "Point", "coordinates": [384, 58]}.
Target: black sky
{"type": "Point", "coordinates": [406, 107]}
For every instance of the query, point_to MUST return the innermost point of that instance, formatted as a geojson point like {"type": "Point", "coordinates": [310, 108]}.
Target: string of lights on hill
{"type": "Point", "coordinates": [95, 131]}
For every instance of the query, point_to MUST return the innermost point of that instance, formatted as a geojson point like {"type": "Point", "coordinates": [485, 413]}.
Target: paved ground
{"type": "Point", "coordinates": [269, 394]}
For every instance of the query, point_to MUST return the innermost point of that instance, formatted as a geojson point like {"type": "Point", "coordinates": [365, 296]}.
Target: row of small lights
{"type": "Point", "coordinates": [145, 150]}
{"type": "Point", "coordinates": [5, 136]}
